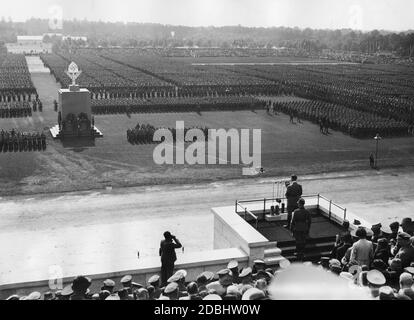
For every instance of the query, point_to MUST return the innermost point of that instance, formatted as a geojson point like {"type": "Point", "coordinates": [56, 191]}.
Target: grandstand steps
{"type": "Point", "coordinates": [273, 261]}
{"type": "Point", "coordinates": [313, 251]}
{"type": "Point", "coordinates": [273, 252]}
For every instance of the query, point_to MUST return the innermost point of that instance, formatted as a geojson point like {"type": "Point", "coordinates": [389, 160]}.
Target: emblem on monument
{"type": "Point", "coordinates": [73, 72]}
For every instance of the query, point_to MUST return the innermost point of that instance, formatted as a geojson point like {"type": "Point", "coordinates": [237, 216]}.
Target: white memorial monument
{"type": "Point", "coordinates": [74, 114]}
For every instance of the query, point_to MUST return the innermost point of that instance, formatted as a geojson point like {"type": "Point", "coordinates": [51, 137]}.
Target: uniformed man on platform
{"type": "Point", "coordinates": [300, 226]}
{"type": "Point", "coordinates": [293, 194]}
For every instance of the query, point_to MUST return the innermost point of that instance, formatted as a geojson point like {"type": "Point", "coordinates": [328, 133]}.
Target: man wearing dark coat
{"type": "Point", "coordinates": [300, 226]}
{"type": "Point", "coordinates": [168, 256]}
{"type": "Point", "coordinates": [293, 194]}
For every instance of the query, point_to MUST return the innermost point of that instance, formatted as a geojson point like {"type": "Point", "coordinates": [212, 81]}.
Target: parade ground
{"type": "Point", "coordinates": [102, 230]}
{"type": "Point", "coordinates": [112, 161]}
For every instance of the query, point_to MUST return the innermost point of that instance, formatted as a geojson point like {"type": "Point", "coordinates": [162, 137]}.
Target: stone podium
{"type": "Point", "coordinates": [74, 113]}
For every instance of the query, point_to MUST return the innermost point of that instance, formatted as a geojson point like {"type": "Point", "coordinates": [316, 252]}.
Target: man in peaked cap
{"type": "Point", "coordinates": [155, 282]}
{"type": "Point", "coordinates": [220, 286]}
{"type": "Point", "coordinates": [394, 230]}
{"type": "Point", "coordinates": [406, 224]}
{"type": "Point", "coordinates": [79, 286]}
{"type": "Point", "coordinates": [409, 270]}
{"type": "Point", "coordinates": [108, 285]}
{"type": "Point", "coordinates": [246, 276]}
{"type": "Point", "coordinates": [171, 291]}
{"type": "Point", "coordinates": [202, 282]}
{"type": "Point", "coordinates": [34, 296]}
{"type": "Point", "coordinates": [386, 293]}
{"type": "Point", "coordinates": [300, 226]}
{"type": "Point", "coordinates": [233, 266]}
{"type": "Point", "coordinates": [104, 294]}
{"type": "Point", "coordinates": [253, 294]}
{"type": "Point", "coordinates": [377, 233]}
{"type": "Point", "coordinates": [181, 280]}
{"type": "Point", "coordinates": [66, 292]}
{"type": "Point", "coordinates": [192, 290]}
{"type": "Point", "coordinates": [375, 280]}
{"type": "Point", "coordinates": [406, 251]}
{"type": "Point", "coordinates": [48, 296]}
{"type": "Point", "coordinates": [126, 281]}
{"type": "Point", "coordinates": [258, 264]}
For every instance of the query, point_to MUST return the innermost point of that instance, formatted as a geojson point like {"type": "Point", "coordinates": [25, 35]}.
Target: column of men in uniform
{"type": "Point", "coordinates": [16, 107]}
{"type": "Point", "coordinates": [13, 141]}
{"type": "Point", "coordinates": [329, 116]}
{"type": "Point", "coordinates": [144, 133]}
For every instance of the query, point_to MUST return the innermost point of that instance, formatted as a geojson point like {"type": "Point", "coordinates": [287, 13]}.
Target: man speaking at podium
{"type": "Point", "coordinates": [293, 194]}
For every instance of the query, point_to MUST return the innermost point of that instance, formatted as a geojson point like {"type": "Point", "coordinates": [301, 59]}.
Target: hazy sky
{"type": "Point", "coordinates": [393, 15]}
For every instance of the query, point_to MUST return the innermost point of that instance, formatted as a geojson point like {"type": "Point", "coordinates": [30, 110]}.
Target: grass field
{"type": "Point", "coordinates": [111, 160]}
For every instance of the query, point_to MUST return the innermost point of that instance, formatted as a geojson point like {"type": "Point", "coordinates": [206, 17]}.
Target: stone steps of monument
{"type": "Point", "coordinates": [56, 134]}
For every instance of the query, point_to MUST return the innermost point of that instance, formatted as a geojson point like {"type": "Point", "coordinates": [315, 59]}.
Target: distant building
{"type": "Point", "coordinates": [29, 45]}
{"type": "Point", "coordinates": [75, 38]}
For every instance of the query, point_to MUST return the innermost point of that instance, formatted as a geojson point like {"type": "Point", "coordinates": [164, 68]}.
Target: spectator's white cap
{"type": "Point", "coordinates": [410, 270]}
{"type": "Point", "coordinates": [245, 272]}
{"type": "Point", "coordinates": [386, 292]}
{"type": "Point", "coordinates": [182, 272]}
{"type": "Point", "coordinates": [113, 296]}
{"type": "Point", "coordinates": [171, 287]}
{"type": "Point", "coordinates": [233, 290]}
{"type": "Point", "coordinates": [154, 279]}
{"type": "Point", "coordinates": [232, 264]}
{"type": "Point", "coordinates": [212, 297]}
{"type": "Point", "coordinates": [34, 296]}
{"type": "Point", "coordinates": [284, 263]}
{"type": "Point", "coordinates": [253, 294]}
{"type": "Point", "coordinates": [163, 298]}
{"type": "Point", "coordinates": [375, 277]}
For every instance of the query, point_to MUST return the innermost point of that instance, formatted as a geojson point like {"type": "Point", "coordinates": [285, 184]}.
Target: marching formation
{"type": "Point", "coordinates": [18, 96]}
{"type": "Point", "coordinates": [144, 133]}
{"type": "Point", "coordinates": [13, 141]}
{"type": "Point", "coordinates": [355, 123]}
{"type": "Point", "coordinates": [130, 105]}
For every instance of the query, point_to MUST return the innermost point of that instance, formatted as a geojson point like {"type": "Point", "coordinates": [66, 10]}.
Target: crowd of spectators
{"type": "Point", "coordinates": [370, 262]}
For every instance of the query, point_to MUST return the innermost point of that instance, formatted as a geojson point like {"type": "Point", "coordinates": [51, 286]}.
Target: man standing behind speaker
{"type": "Point", "coordinates": [293, 194]}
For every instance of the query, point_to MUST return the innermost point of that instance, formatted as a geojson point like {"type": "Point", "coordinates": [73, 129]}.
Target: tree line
{"type": "Point", "coordinates": [150, 34]}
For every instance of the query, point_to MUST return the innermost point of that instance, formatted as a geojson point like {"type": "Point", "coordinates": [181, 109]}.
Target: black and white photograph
{"type": "Point", "coordinates": [221, 150]}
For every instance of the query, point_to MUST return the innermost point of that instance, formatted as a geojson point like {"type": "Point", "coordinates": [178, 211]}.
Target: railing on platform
{"type": "Point", "coordinates": [245, 212]}
{"type": "Point", "coordinates": [329, 205]}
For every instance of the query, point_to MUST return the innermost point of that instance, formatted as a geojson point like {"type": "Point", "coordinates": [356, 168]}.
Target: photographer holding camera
{"type": "Point", "coordinates": [168, 256]}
